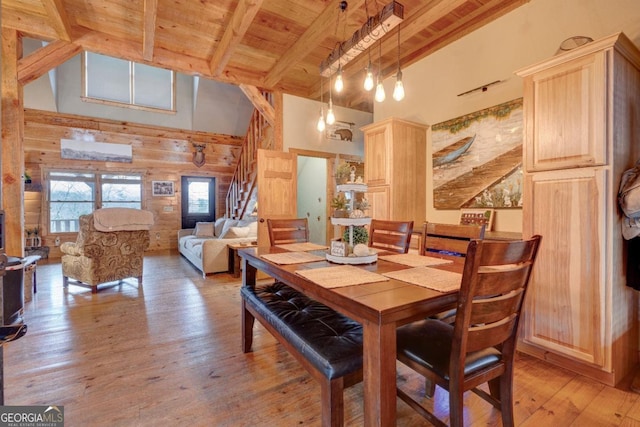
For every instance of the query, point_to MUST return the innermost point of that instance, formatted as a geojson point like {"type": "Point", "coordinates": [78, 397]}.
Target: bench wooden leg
{"type": "Point", "coordinates": [247, 328]}
{"type": "Point", "coordinates": [332, 399]}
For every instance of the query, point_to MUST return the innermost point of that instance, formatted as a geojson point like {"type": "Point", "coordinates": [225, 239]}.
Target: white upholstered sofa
{"type": "Point", "coordinates": [206, 245]}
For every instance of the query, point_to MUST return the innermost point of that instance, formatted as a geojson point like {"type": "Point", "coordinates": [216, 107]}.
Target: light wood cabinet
{"type": "Point", "coordinates": [569, 131]}
{"type": "Point", "coordinates": [395, 168]}
{"type": "Point", "coordinates": [582, 130]}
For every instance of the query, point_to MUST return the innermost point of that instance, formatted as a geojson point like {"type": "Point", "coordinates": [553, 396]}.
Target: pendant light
{"type": "Point", "coordinates": [368, 80]}
{"type": "Point", "coordinates": [321, 124]}
{"type": "Point", "coordinates": [331, 118]}
{"type": "Point", "coordinates": [380, 95]}
{"type": "Point", "coordinates": [398, 90]}
{"type": "Point", "coordinates": [339, 82]}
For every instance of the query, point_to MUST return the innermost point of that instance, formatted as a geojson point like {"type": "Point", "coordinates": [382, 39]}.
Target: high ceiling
{"type": "Point", "coordinates": [270, 44]}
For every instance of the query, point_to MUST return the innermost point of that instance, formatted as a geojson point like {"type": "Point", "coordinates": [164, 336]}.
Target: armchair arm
{"type": "Point", "coordinates": [70, 248]}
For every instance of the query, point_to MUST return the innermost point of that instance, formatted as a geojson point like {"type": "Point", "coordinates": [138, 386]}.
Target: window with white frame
{"type": "Point", "coordinates": [118, 81]}
{"type": "Point", "coordinates": [75, 193]}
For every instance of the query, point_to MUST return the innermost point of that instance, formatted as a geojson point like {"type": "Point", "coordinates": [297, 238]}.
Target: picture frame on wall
{"type": "Point", "coordinates": [162, 188]}
{"type": "Point", "coordinates": [341, 131]}
{"type": "Point", "coordinates": [477, 159]}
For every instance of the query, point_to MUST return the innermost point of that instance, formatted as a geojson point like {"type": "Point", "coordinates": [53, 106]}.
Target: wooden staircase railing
{"type": "Point", "coordinates": [242, 194]}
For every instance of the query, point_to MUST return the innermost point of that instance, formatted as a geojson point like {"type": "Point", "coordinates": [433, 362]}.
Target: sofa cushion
{"type": "Point", "coordinates": [204, 229]}
{"type": "Point", "coordinates": [219, 225]}
{"type": "Point", "coordinates": [236, 232]}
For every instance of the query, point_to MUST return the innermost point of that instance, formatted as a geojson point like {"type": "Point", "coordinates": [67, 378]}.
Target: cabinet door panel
{"type": "Point", "coordinates": [379, 202]}
{"type": "Point", "coordinates": [565, 306]}
{"type": "Point", "coordinates": [569, 114]}
{"type": "Point", "coordinates": [376, 156]}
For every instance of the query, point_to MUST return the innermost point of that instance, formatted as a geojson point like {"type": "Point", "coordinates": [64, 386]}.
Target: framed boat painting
{"type": "Point", "coordinates": [477, 159]}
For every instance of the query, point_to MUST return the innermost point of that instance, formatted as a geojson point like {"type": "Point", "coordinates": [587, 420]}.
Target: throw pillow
{"type": "Point", "coordinates": [219, 225]}
{"type": "Point", "coordinates": [235, 232]}
{"type": "Point", "coordinates": [227, 225]}
{"type": "Point", "coordinates": [204, 229]}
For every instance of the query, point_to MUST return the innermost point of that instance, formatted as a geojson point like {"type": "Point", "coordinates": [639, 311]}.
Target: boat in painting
{"type": "Point", "coordinates": [453, 151]}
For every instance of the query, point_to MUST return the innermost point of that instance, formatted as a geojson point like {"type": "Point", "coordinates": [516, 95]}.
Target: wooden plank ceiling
{"type": "Point", "coordinates": [269, 44]}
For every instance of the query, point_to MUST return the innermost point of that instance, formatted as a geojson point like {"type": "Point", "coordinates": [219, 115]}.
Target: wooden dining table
{"type": "Point", "coordinates": [380, 307]}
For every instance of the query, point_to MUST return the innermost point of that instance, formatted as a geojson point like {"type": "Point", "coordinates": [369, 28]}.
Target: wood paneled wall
{"type": "Point", "coordinates": [162, 154]}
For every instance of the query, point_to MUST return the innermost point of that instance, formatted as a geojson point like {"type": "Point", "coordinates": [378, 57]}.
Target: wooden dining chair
{"type": "Point", "coordinates": [480, 346]}
{"type": "Point", "coordinates": [393, 236]}
{"type": "Point", "coordinates": [283, 231]}
{"type": "Point", "coordinates": [449, 238]}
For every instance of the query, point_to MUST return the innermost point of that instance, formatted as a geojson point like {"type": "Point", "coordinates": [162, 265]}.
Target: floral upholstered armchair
{"type": "Point", "coordinates": [110, 247]}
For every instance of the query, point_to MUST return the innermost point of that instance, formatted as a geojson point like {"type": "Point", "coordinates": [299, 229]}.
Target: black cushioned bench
{"type": "Point", "coordinates": [327, 343]}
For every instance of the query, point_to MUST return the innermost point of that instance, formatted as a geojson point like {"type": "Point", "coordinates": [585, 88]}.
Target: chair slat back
{"type": "Point", "coordinates": [449, 237]}
{"type": "Point", "coordinates": [492, 290]}
{"type": "Point", "coordinates": [283, 231]}
{"type": "Point", "coordinates": [394, 236]}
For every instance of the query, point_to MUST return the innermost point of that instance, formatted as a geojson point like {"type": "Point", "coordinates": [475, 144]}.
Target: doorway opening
{"type": "Point", "coordinates": [198, 200]}
{"type": "Point", "coordinates": [308, 206]}
{"type": "Point", "coordinates": [312, 196]}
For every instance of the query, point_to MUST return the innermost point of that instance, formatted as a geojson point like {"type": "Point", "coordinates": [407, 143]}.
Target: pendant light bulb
{"type": "Point", "coordinates": [331, 118]}
{"type": "Point", "coordinates": [321, 123]}
{"type": "Point", "coordinates": [368, 80]}
{"type": "Point", "coordinates": [380, 95]}
{"type": "Point", "coordinates": [398, 90]}
{"type": "Point", "coordinates": [339, 85]}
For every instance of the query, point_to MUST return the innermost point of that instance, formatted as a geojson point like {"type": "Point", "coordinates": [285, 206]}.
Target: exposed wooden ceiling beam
{"type": "Point", "coordinates": [242, 18]}
{"type": "Point", "coordinates": [59, 18]}
{"type": "Point", "coordinates": [311, 38]}
{"type": "Point", "coordinates": [44, 59]}
{"type": "Point", "coordinates": [149, 30]}
{"type": "Point", "coordinates": [259, 101]}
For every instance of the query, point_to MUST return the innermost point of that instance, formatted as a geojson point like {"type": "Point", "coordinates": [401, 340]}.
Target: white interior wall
{"type": "Point", "coordinates": [221, 108]}
{"type": "Point", "coordinates": [299, 130]}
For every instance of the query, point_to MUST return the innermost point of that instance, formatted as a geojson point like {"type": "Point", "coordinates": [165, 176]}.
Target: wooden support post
{"type": "Point", "coordinates": [12, 144]}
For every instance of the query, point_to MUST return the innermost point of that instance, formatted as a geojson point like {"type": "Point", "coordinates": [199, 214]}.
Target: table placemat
{"type": "Point", "coordinates": [302, 247]}
{"type": "Point", "coordinates": [339, 276]}
{"type": "Point", "coordinates": [415, 260]}
{"type": "Point", "coordinates": [432, 278]}
{"type": "Point", "coordinates": [292, 257]}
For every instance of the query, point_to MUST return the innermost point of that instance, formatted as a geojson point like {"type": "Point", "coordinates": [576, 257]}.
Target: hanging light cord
{"type": "Point", "coordinates": [398, 47]}
{"type": "Point", "coordinates": [380, 58]}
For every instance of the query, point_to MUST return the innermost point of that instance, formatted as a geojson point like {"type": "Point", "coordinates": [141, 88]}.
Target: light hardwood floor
{"type": "Point", "coordinates": [169, 353]}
